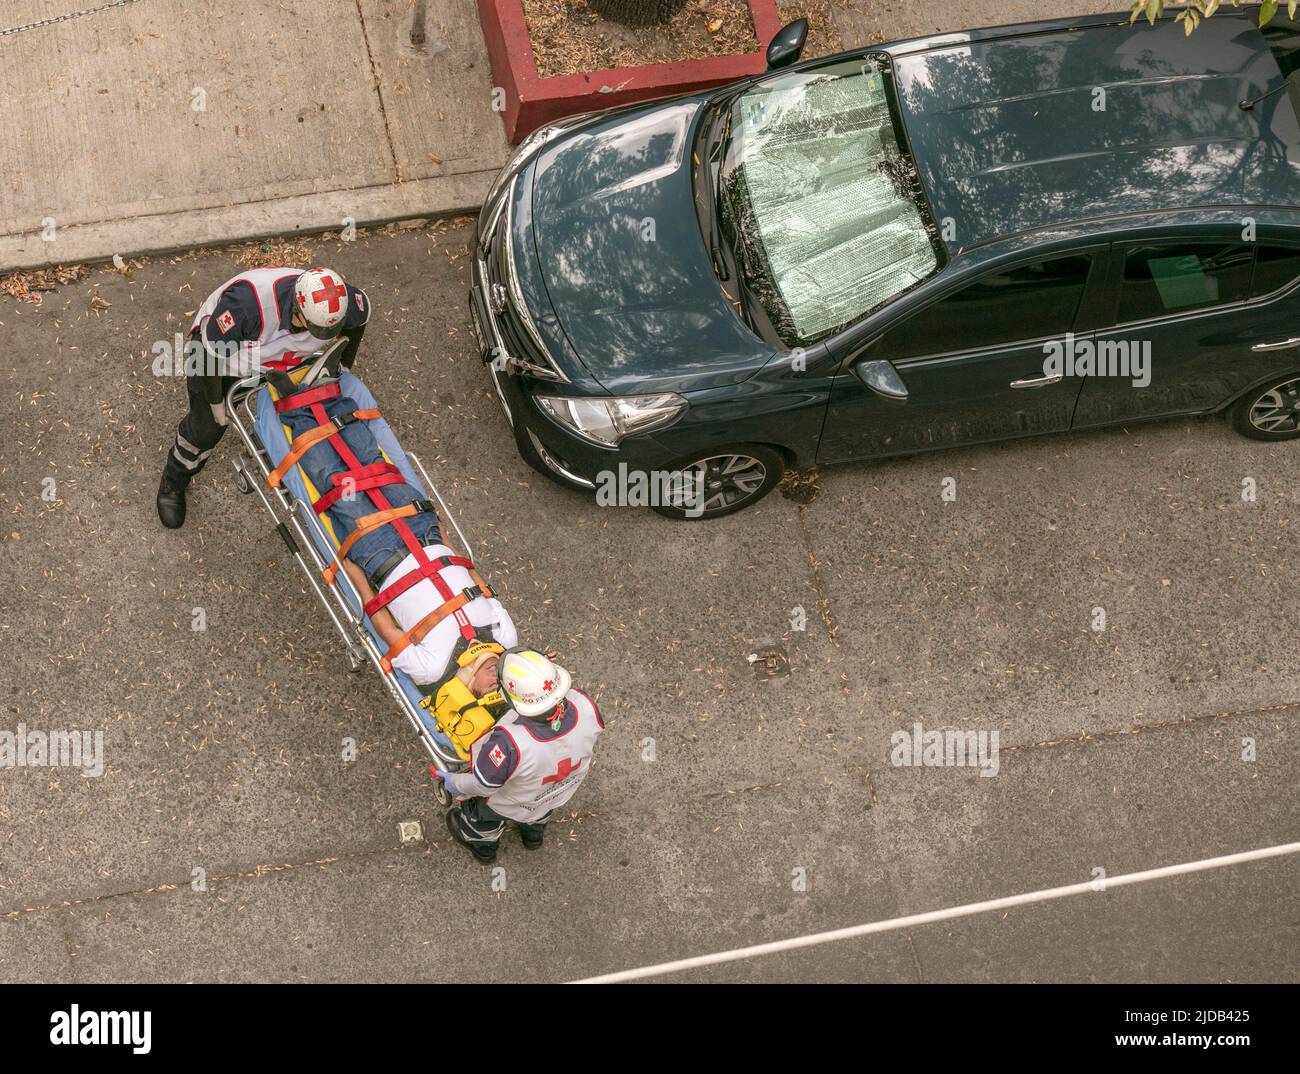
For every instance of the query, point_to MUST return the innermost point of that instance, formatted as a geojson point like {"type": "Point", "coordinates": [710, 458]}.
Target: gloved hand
{"type": "Point", "coordinates": [442, 777]}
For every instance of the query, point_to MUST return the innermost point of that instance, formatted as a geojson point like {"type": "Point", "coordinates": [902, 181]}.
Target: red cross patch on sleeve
{"type": "Point", "coordinates": [496, 756]}
{"type": "Point", "coordinates": [225, 320]}
{"type": "Point", "coordinates": [361, 301]}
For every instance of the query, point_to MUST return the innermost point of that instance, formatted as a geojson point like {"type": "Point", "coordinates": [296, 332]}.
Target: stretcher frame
{"type": "Point", "coordinates": [296, 522]}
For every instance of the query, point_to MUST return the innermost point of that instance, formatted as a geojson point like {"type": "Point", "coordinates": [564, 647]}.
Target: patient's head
{"type": "Point", "coordinates": [483, 678]}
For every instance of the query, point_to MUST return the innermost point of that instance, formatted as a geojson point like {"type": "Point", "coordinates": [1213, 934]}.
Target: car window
{"type": "Point", "coordinates": [1024, 303]}
{"type": "Point", "coordinates": [820, 199]}
{"type": "Point", "coordinates": [1275, 267]}
{"type": "Point", "coordinates": [1175, 278]}
{"type": "Point", "coordinates": [1283, 37]}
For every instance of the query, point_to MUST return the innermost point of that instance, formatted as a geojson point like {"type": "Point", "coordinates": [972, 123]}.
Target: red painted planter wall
{"type": "Point", "coordinates": [531, 100]}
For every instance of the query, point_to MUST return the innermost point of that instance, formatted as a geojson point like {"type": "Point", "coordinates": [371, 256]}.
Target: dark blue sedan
{"type": "Point", "coordinates": [951, 240]}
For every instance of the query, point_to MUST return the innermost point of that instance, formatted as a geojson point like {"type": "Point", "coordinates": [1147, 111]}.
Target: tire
{"type": "Point", "coordinates": [242, 482]}
{"type": "Point", "coordinates": [750, 469]}
{"type": "Point", "coordinates": [1270, 412]}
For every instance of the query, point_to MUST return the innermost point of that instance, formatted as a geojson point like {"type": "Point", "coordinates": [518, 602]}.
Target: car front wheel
{"type": "Point", "coordinates": [1271, 413]}
{"type": "Point", "coordinates": [722, 482]}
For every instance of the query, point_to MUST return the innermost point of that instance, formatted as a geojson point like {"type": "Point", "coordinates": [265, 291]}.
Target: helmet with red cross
{"type": "Point", "coordinates": [532, 684]}
{"type": "Point", "coordinates": [320, 299]}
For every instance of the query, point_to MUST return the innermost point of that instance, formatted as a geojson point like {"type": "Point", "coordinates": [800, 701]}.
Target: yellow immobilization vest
{"type": "Point", "coordinates": [461, 716]}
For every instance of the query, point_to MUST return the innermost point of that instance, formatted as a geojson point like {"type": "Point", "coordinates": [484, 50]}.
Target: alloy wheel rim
{"type": "Point", "coordinates": [723, 480]}
{"type": "Point", "coordinates": [1278, 409]}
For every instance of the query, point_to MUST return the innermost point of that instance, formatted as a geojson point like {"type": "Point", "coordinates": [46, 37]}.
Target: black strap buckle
{"type": "Point", "coordinates": [342, 421]}
{"type": "Point", "coordinates": [472, 593]}
{"type": "Point", "coordinates": [423, 507]}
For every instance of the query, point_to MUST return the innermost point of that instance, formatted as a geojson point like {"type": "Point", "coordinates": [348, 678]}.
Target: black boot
{"type": "Point", "coordinates": [483, 854]}
{"type": "Point", "coordinates": [532, 837]}
{"type": "Point", "coordinates": [171, 502]}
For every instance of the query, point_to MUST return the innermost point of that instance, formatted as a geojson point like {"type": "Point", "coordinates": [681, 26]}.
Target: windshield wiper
{"type": "Point", "coordinates": [712, 168]}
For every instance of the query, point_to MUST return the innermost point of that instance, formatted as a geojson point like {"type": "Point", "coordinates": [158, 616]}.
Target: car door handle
{"type": "Point", "coordinates": [1278, 345]}
{"type": "Point", "coordinates": [1038, 382]}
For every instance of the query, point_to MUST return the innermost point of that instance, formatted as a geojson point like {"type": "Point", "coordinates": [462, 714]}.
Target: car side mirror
{"type": "Point", "coordinates": [882, 378]}
{"type": "Point", "coordinates": [787, 45]}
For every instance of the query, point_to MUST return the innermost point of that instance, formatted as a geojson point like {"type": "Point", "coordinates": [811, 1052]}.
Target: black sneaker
{"type": "Point", "coordinates": [532, 840]}
{"type": "Point", "coordinates": [483, 854]}
{"type": "Point", "coordinates": [171, 503]}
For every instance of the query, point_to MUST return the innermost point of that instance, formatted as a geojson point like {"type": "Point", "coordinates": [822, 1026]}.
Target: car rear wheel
{"type": "Point", "coordinates": [1271, 413]}
{"type": "Point", "coordinates": [722, 482]}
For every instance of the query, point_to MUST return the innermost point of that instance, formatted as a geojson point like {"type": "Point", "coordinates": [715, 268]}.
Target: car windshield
{"type": "Point", "coordinates": [819, 202]}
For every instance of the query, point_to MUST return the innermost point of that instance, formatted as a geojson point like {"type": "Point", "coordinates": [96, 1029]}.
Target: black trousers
{"type": "Point", "coordinates": [481, 824]}
{"type": "Point", "coordinates": [198, 433]}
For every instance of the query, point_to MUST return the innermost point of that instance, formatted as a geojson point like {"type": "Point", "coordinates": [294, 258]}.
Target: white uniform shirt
{"type": "Point", "coordinates": [258, 312]}
{"type": "Point", "coordinates": [541, 769]}
{"type": "Point", "coordinates": [428, 661]}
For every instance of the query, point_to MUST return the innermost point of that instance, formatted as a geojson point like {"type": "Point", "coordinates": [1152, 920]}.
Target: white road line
{"type": "Point", "coordinates": [951, 912]}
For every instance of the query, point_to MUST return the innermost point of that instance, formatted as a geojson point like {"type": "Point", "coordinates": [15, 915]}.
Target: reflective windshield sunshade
{"type": "Point", "coordinates": [828, 211]}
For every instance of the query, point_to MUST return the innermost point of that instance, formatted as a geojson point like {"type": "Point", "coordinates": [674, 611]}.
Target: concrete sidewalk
{"type": "Point", "coordinates": [168, 124]}
{"type": "Point", "coordinates": [156, 125]}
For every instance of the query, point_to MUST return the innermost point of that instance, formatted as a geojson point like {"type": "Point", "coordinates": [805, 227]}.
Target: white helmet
{"type": "Point", "coordinates": [532, 684]}
{"type": "Point", "coordinates": [321, 300]}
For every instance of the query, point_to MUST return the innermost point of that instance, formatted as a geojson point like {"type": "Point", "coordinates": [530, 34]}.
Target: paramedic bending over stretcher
{"type": "Point", "coordinates": [380, 557]}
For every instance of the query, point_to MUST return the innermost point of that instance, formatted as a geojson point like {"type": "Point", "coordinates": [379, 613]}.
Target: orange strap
{"type": "Point", "coordinates": [416, 634]}
{"type": "Point", "coordinates": [364, 526]}
{"type": "Point", "coordinates": [308, 440]}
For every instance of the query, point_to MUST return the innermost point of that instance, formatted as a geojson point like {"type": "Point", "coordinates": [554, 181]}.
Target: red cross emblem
{"type": "Point", "coordinates": [329, 292]}
{"type": "Point", "coordinates": [547, 685]}
{"type": "Point", "coordinates": [566, 769]}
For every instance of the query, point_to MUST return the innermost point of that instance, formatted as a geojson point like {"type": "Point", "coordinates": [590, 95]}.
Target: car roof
{"type": "Point", "coordinates": [1019, 128]}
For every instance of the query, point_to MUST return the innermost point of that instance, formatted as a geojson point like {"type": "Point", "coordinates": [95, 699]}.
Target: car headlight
{"type": "Point", "coordinates": [607, 421]}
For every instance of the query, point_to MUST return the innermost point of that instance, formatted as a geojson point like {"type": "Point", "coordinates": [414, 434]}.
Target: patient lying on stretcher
{"type": "Point", "coordinates": [383, 556]}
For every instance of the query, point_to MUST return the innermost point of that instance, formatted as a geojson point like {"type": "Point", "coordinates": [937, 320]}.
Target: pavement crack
{"type": "Point", "coordinates": [379, 93]}
{"type": "Point", "coordinates": [162, 889]}
{"type": "Point", "coordinates": [823, 601]}
{"type": "Point", "coordinates": [1090, 736]}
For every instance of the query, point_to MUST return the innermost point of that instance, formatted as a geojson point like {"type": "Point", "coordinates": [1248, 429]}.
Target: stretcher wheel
{"type": "Point", "coordinates": [241, 478]}
{"type": "Point", "coordinates": [441, 794]}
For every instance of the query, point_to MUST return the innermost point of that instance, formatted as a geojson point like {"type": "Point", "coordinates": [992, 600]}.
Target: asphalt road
{"type": "Point", "coordinates": [1120, 749]}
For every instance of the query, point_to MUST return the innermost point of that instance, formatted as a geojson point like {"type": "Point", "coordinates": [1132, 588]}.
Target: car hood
{"type": "Point", "coordinates": [625, 266]}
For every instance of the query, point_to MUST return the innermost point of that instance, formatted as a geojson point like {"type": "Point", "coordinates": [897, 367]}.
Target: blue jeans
{"type": "Point", "coordinates": [322, 462]}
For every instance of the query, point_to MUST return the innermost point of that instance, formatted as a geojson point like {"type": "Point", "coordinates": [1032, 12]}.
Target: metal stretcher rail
{"type": "Point", "coordinates": [296, 521]}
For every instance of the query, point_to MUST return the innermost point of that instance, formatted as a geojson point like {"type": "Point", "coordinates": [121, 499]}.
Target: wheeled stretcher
{"type": "Point", "coordinates": [308, 532]}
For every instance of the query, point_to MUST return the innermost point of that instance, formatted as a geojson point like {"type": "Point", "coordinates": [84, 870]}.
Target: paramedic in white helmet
{"type": "Point", "coordinates": [531, 763]}
{"type": "Point", "coordinates": [268, 318]}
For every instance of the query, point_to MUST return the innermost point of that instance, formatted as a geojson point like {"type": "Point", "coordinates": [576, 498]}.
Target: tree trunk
{"type": "Point", "coordinates": [637, 12]}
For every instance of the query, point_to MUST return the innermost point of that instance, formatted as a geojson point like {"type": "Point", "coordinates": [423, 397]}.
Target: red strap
{"type": "Point", "coordinates": [373, 469]}
{"type": "Point", "coordinates": [354, 481]}
{"type": "Point", "coordinates": [432, 569]}
{"type": "Point", "coordinates": [302, 399]}
{"type": "Point", "coordinates": [387, 474]}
